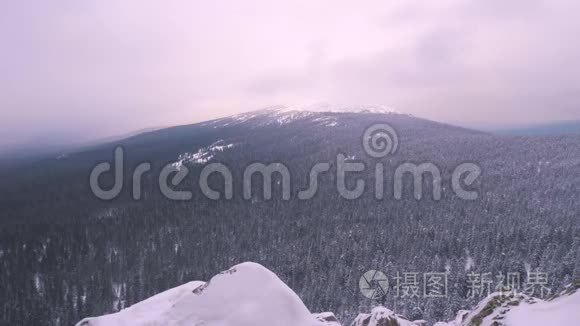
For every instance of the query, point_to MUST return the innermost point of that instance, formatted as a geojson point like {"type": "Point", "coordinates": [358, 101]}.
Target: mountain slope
{"type": "Point", "coordinates": [66, 254]}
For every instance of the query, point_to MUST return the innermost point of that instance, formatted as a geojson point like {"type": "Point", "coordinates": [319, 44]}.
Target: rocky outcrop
{"type": "Point", "coordinates": [517, 309]}
{"type": "Point", "coordinates": [381, 316]}
{"type": "Point", "coordinates": [327, 319]}
{"type": "Point", "coordinates": [248, 294]}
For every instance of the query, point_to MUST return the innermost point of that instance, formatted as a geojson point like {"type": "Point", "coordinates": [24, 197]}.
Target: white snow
{"type": "Point", "coordinates": [461, 316]}
{"type": "Point", "coordinates": [469, 264]}
{"type": "Point", "coordinates": [147, 312]}
{"type": "Point", "coordinates": [303, 110]}
{"type": "Point", "coordinates": [527, 311]}
{"type": "Point", "coordinates": [327, 319]}
{"type": "Point", "coordinates": [469, 261]}
{"type": "Point", "coordinates": [274, 115]}
{"type": "Point", "coordinates": [203, 155]}
{"type": "Point", "coordinates": [563, 311]}
{"type": "Point", "coordinates": [285, 114]}
{"type": "Point", "coordinates": [326, 121]}
{"type": "Point", "coordinates": [118, 289]}
{"type": "Point", "coordinates": [243, 117]}
{"type": "Point", "coordinates": [381, 316]}
{"type": "Point", "coordinates": [380, 109]}
{"type": "Point", "coordinates": [248, 294]}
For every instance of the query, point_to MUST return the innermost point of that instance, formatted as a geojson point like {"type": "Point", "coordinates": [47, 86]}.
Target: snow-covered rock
{"type": "Point", "coordinates": [563, 310]}
{"type": "Point", "coordinates": [381, 316]}
{"type": "Point", "coordinates": [327, 319]}
{"type": "Point", "coordinates": [459, 319]}
{"type": "Point", "coordinates": [248, 294]}
{"type": "Point", "coordinates": [513, 309]}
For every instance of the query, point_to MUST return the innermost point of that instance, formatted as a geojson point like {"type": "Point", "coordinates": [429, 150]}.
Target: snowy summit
{"type": "Point", "coordinates": [248, 294]}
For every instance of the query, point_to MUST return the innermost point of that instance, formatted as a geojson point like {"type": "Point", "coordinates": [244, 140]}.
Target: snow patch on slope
{"type": "Point", "coordinates": [326, 121]}
{"type": "Point", "coordinates": [248, 294]}
{"type": "Point", "coordinates": [203, 155]}
{"type": "Point", "coordinates": [285, 114]}
{"type": "Point", "coordinates": [311, 109]}
{"type": "Point", "coordinates": [375, 109]}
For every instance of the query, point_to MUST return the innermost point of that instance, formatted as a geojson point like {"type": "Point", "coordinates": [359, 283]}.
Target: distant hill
{"type": "Point", "coordinates": [39, 150]}
{"type": "Point", "coordinates": [555, 128]}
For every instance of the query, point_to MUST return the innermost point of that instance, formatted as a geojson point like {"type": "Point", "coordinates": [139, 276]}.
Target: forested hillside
{"type": "Point", "coordinates": [64, 254]}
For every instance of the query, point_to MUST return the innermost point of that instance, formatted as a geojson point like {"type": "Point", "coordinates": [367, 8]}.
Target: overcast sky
{"type": "Point", "coordinates": [75, 70]}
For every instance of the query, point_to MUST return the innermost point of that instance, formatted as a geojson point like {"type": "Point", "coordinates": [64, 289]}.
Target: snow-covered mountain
{"type": "Point", "coordinates": [248, 294]}
{"type": "Point", "coordinates": [283, 114]}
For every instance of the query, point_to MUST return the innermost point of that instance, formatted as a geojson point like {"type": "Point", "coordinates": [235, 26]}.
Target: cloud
{"type": "Point", "coordinates": [84, 70]}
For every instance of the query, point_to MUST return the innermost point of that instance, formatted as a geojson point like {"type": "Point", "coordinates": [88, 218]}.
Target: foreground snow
{"type": "Point", "coordinates": [520, 310]}
{"type": "Point", "coordinates": [246, 295]}
{"type": "Point", "coordinates": [564, 311]}
{"type": "Point", "coordinates": [381, 316]}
